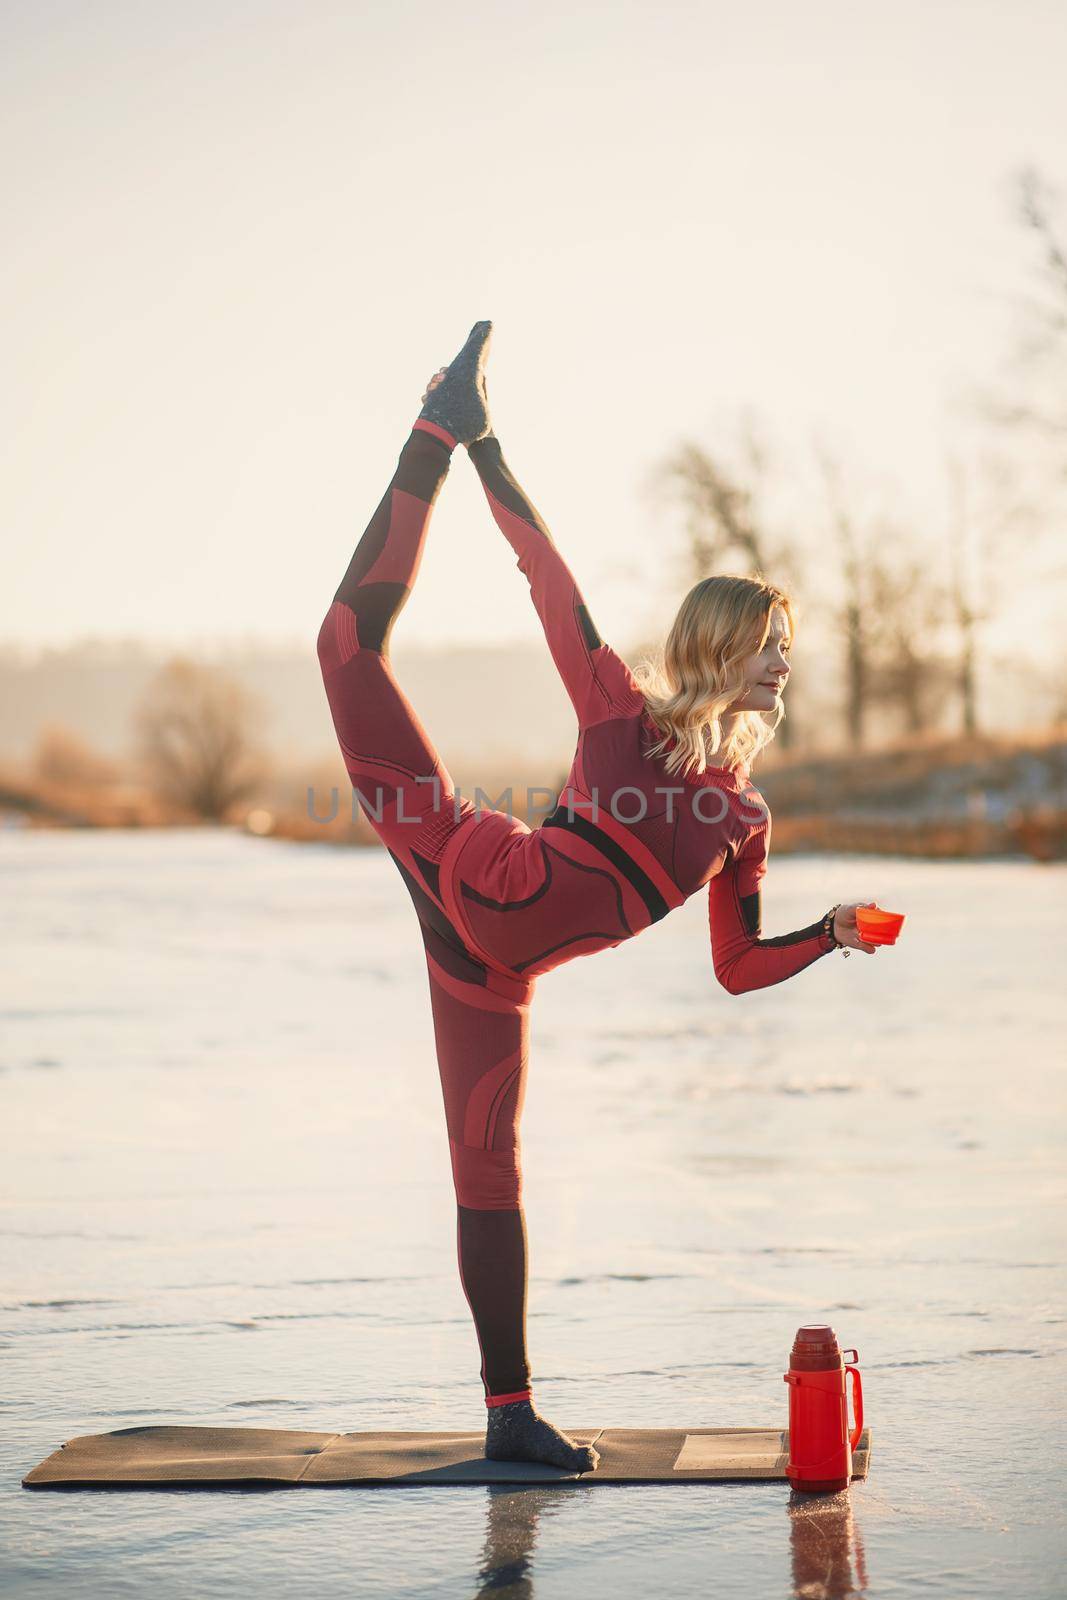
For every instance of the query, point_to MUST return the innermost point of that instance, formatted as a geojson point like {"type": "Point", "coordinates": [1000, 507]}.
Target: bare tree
{"type": "Point", "coordinates": [891, 618]}
{"type": "Point", "coordinates": [961, 591]}
{"type": "Point", "coordinates": [1029, 404]}
{"type": "Point", "coordinates": [853, 618]}
{"type": "Point", "coordinates": [990, 512]}
{"type": "Point", "coordinates": [1041, 355]}
{"type": "Point", "coordinates": [62, 758]}
{"type": "Point", "coordinates": [907, 610]}
{"type": "Point", "coordinates": [724, 517]}
{"type": "Point", "coordinates": [193, 733]}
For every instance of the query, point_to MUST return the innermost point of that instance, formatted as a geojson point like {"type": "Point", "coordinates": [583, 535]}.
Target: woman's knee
{"type": "Point", "coordinates": [338, 639]}
{"type": "Point", "coordinates": [487, 1180]}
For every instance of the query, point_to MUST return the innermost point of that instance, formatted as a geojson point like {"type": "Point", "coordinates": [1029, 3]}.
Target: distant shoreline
{"type": "Point", "coordinates": [939, 798]}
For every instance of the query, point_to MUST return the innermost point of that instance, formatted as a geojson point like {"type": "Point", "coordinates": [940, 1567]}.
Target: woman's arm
{"type": "Point", "coordinates": [598, 681]}
{"type": "Point", "coordinates": [743, 960]}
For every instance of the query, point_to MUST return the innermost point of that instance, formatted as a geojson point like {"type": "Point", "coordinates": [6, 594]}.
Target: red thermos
{"type": "Point", "coordinates": [820, 1444]}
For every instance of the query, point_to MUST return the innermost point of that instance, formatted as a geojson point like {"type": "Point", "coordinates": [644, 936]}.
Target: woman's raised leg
{"type": "Point", "coordinates": [396, 771]}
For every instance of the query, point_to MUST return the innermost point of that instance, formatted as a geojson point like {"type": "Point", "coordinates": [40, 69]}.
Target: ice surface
{"type": "Point", "coordinates": [228, 1200]}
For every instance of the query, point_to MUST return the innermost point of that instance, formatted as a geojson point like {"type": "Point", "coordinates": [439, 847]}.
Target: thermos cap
{"type": "Point", "coordinates": [815, 1348]}
{"type": "Point", "coordinates": [817, 1333]}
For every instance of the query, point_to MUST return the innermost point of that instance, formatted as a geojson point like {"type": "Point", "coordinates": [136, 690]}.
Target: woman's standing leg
{"type": "Point", "coordinates": [481, 1018]}
{"type": "Point", "coordinates": [483, 1049]}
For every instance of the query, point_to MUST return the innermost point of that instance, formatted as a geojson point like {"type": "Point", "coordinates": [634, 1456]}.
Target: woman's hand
{"type": "Point", "coordinates": [434, 381]}
{"type": "Point", "coordinates": [846, 931]}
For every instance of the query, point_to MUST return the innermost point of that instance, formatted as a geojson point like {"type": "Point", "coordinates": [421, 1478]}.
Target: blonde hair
{"type": "Point", "coordinates": [690, 683]}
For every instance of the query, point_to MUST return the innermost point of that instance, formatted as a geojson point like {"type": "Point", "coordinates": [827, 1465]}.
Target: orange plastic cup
{"type": "Point", "coordinates": [876, 926]}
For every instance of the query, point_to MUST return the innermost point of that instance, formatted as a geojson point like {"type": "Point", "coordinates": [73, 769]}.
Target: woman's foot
{"type": "Point", "coordinates": [457, 401]}
{"type": "Point", "coordinates": [517, 1432]}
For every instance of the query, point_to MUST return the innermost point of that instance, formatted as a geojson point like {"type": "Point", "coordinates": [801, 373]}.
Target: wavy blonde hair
{"type": "Point", "coordinates": [692, 680]}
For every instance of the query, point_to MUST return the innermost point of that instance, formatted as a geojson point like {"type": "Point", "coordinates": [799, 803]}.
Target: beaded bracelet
{"type": "Point", "coordinates": [828, 929]}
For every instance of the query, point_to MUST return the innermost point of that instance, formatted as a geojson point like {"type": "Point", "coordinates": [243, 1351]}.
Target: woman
{"type": "Point", "coordinates": [645, 820]}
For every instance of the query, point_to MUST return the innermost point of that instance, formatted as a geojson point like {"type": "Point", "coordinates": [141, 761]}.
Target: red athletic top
{"type": "Point", "coordinates": [627, 842]}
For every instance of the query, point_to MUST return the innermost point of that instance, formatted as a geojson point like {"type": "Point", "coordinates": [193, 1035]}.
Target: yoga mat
{"type": "Point", "coordinates": [207, 1457]}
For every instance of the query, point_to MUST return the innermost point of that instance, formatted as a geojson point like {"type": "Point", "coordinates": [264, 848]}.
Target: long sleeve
{"type": "Point", "coordinates": [742, 959]}
{"type": "Point", "coordinates": [598, 681]}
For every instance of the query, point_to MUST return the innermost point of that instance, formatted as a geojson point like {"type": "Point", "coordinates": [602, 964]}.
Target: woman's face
{"type": "Point", "coordinates": [767, 672]}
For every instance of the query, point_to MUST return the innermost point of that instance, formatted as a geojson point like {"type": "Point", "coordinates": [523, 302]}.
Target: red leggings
{"type": "Point", "coordinates": [481, 1014]}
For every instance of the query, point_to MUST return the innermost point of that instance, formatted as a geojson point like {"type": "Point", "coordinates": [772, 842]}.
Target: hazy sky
{"type": "Point", "coordinates": [240, 237]}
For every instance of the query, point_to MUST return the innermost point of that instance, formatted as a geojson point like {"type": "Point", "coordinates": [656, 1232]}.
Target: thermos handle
{"type": "Point", "coordinates": [857, 1406]}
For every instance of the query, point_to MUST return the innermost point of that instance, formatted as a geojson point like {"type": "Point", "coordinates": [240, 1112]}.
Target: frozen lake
{"type": "Point", "coordinates": [220, 1207]}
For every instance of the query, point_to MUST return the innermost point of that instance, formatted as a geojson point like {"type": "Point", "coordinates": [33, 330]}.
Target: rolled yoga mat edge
{"type": "Point", "coordinates": [206, 1458]}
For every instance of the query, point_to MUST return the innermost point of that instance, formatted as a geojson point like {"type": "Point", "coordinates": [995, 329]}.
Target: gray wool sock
{"type": "Point", "coordinates": [517, 1432]}
{"type": "Point", "coordinates": [459, 403]}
